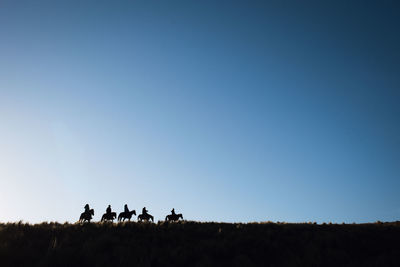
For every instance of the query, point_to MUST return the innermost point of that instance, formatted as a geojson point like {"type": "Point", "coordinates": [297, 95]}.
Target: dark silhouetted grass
{"type": "Point", "coordinates": [200, 244]}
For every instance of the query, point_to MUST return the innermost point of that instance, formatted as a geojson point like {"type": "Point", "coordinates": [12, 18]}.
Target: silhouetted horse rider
{"type": "Point", "coordinates": [86, 216]}
{"type": "Point", "coordinates": [173, 216]}
{"type": "Point", "coordinates": [126, 214]}
{"type": "Point", "coordinates": [144, 211]}
{"type": "Point", "coordinates": [145, 216]}
{"type": "Point", "coordinates": [108, 216]}
{"type": "Point", "coordinates": [87, 209]}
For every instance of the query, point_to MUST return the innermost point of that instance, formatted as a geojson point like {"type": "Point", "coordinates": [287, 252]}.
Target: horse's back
{"type": "Point", "coordinates": [145, 217]}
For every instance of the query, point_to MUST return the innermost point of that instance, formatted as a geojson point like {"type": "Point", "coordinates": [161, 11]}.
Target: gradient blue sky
{"type": "Point", "coordinates": [225, 110]}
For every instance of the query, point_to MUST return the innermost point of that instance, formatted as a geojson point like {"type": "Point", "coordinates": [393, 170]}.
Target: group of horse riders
{"type": "Point", "coordinates": [86, 216]}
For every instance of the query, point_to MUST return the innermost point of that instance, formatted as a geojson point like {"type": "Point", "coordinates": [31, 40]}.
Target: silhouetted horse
{"type": "Point", "coordinates": [108, 216]}
{"type": "Point", "coordinates": [174, 217]}
{"type": "Point", "coordinates": [126, 215]}
{"type": "Point", "coordinates": [86, 216]}
{"type": "Point", "coordinates": [145, 217]}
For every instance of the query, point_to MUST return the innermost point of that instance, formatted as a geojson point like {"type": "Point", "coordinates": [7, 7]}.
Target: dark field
{"type": "Point", "coordinates": [200, 244]}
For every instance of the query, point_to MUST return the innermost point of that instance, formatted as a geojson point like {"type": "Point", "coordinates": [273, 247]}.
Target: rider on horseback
{"type": "Point", "coordinates": [173, 217]}
{"type": "Point", "coordinates": [86, 216]}
{"type": "Point", "coordinates": [108, 210]}
{"type": "Point", "coordinates": [144, 211]}
{"type": "Point", "coordinates": [87, 209]}
{"type": "Point", "coordinates": [126, 210]}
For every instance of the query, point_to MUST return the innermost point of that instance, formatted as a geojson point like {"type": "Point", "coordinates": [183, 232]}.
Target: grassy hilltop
{"type": "Point", "coordinates": [200, 244]}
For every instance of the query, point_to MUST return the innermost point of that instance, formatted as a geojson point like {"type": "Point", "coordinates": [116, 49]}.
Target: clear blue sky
{"type": "Point", "coordinates": [225, 110]}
